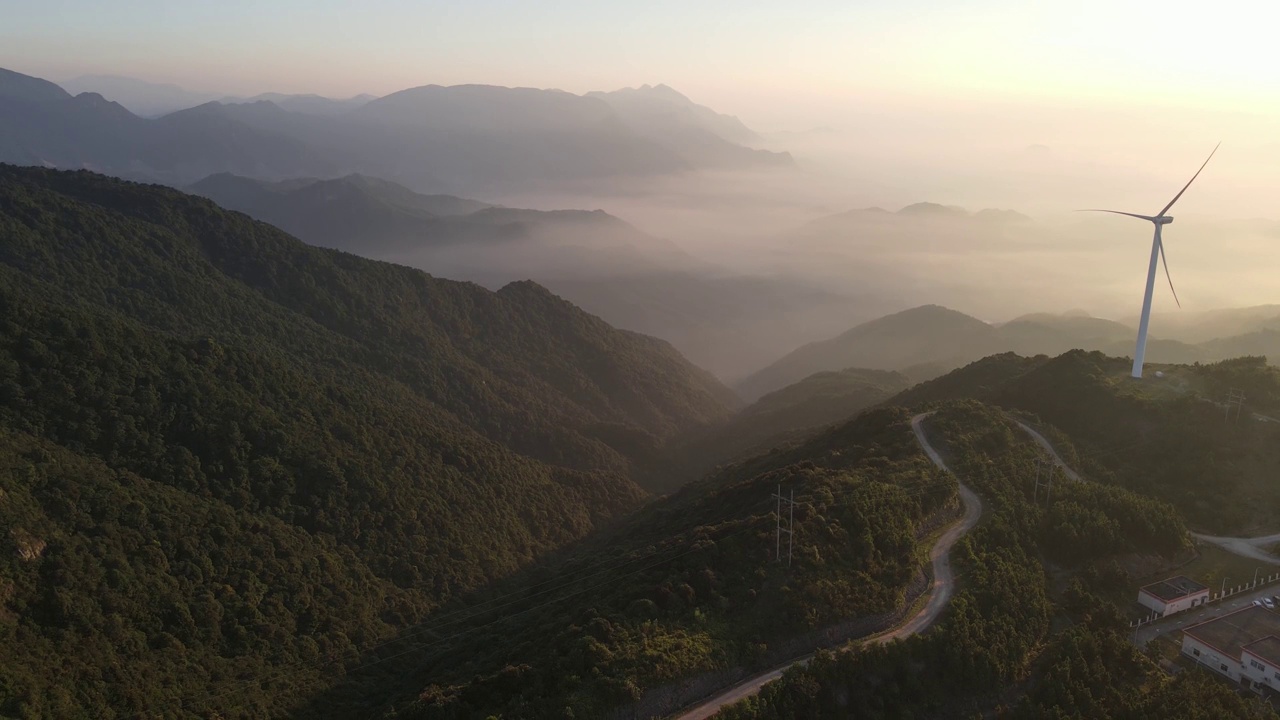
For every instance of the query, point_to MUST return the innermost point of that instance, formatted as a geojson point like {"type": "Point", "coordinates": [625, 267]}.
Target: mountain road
{"type": "Point", "coordinates": [939, 592]}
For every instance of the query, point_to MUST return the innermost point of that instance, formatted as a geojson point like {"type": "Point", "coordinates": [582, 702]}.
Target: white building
{"type": "Point", "coordinates": [1243, 645]}
{"type": "Point", "coordinates": [1262, 662]}
{"type": "Point", "coordinates": [1173, 595]}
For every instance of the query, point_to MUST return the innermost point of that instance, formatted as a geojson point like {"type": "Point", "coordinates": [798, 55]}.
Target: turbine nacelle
{"type": "Point", "coordinates": [1162, 220]}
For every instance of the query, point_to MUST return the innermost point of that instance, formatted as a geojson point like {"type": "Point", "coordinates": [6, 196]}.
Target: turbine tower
{"type": "Point", "coordinates": [1157, 253]}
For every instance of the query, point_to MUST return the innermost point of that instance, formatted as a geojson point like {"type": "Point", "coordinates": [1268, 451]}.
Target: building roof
{"type": "Point", "coordinates": [1268, 649]}
{"type": "Point", "coordinates": [1231, 632]}
{"type": "Point", "coordinates": [1175, 588]}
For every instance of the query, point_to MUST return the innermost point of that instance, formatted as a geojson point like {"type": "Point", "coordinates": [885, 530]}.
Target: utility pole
{"type": "Point", "coordinates": [791, 524]}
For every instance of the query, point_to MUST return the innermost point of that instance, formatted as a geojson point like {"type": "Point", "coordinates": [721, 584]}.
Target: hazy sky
{"type": "Point", "coordinates": [743, 55]}
{"type": "Point", "coordinates": [915, 86]}
{"type": "Point", "coordinates": [1034, 105]}
{"type": "Point", "coordinates": [1043, 106]}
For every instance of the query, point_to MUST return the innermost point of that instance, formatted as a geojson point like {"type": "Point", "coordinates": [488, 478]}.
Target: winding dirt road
{"type": "Point", "coordinates": [939, 593]}
{"type": "Point", "coordinates": [1252, 548]}
{"type": "Point", "coordinates": [943, 578]}
{"type": "Point", "coordinates": [1048, 446]}
{"type": "Point", "coordinates": [1245, 547]}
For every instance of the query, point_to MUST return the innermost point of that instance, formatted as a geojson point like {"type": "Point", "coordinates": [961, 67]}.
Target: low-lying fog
{"type": "Point", "coordinates": [814, 224]}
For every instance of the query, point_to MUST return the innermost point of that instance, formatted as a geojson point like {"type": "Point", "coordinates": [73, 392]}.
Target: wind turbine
{"type": "Point", "coordinates": [1157, 253]}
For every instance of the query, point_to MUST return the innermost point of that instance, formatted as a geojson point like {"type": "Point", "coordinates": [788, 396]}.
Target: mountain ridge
{"type": "Point", "coordinates": [900, 340]}
{"type": "Point", "coordinates": [930, 340]}
{"type": "Point", "coordinates": [444, 234]}
{"type": "Point", "coordinates": [464, 139]}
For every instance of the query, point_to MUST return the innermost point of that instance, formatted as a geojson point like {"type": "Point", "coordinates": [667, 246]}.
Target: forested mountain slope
{"type": "Point", "coordinates": [685, 591]}
{"type": "Point", "coordinates": [520, 365]}
{"type": "Point", "coordinates": [229, 451]}
{"type": "Point", "coordinates": [685, 594]}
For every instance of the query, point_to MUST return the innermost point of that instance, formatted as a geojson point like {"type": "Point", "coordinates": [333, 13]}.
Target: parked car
{"type": "Point", "coordinates": [1271, 605]}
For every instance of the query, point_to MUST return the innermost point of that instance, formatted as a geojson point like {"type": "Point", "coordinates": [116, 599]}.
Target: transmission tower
{"type": "Point", "coordinates": [791, 524]}
{"type": "Point", "coordinates": [1235, 398]}
{"type": "Point", "coordinates": [1044, 476]}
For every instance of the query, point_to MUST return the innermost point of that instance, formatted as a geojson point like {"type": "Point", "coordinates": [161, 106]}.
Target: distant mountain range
{"type": "Point", "coordinates": [445, 234]}
{"type": "Point", "coordinates": [660, 104]}
{"type": "Point", "coordinates": [927, 341]}
{"type": "Point", "coordinates": [41, 124]}
{"type": "Point", "coordinates": [730, 324]}
{"type": "Point", "coordinates": [696, 132]}
{"type": "Point", "coordinates": [149, 99]}
{"type": "Point", "coordinates": [469, 139]}
{"type": "Point", "coordinates": [915, 211]}
{"type": "Point", "coordinates": [308, 194]}
{"type": "Point", "coordinates": [1205, 325]}
{"type": "Point", "coordinates": [146, 99]}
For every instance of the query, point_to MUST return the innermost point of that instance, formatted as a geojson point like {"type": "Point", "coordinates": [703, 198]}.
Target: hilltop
{"type": "Point", "coordinates": [927, 334]}
{"type": "Point", "coordinates": [1166, 437]}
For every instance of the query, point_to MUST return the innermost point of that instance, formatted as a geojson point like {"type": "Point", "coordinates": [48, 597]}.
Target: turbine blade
{"type": "Point", "coordinates": [1193, 179]}
{"type": "Point", "coordinates": [1165, 261]}
{"type": "Point", "coordinates": [1117, 212]}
